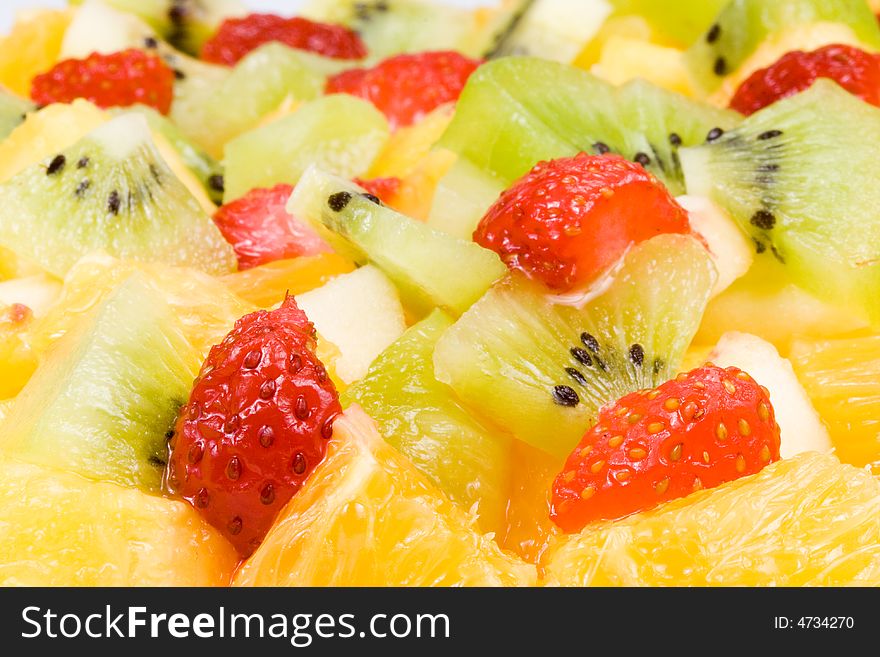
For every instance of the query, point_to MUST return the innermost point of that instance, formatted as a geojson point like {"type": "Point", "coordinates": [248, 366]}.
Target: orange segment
{"type": "Point", "coordinates": [266, 285]}
{"type": "Point", "coordinates": [367, 517]}
{"type": "Point", "coordinates": [61, 529]}
{"type": "Point", "coordinates": [17, 360]}
{"type": "Point", "coordinates": [31, 48]}
{"type": "Point", "coordinates": [529, 528]}
{"type": "Point", "coordinates": [808, 520]}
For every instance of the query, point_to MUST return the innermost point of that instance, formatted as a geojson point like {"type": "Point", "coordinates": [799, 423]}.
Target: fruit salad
{"type": "Point", "coordinates": [398, 292]}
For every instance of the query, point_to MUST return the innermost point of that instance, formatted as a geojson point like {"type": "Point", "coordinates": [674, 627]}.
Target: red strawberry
{"type": "Point", "coordinates": [260, 229]}
{"type": "Point", "coordinates": [116, 80]}
{"type": "Point", "coordinates": [568, 220]}
{"type": "Point", "coordinates": [406, 87]}
{"type": "Point", "coordinates": [383, 189]}
{"type": "Point", "coordinates": [236, 37]}
{"type": "Point", "coordinates": [699, 430]}
{"type": "Point", "coordinates": [256, 424]}
{"type": "Point", "coordinates": [855, 70]}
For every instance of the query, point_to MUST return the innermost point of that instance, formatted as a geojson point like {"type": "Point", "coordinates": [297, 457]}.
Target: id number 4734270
{"type": "Point", "coordinates": [814, 622]}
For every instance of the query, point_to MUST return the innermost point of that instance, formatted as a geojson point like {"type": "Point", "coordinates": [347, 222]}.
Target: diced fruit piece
{"type": "Point", "coordinates": [360, 313]}
{"type": "Point", "coordinates": [786, 311]}
{"type": "Point", "coordinates": [840, 375]}
{"type": "Point", "coordinates": [554, 29]}
{"type": "Point", "coordinates": [339, 133]}
{"type": "Point", "coordinates": [17, 360]}
{"type": "Point", "coordinates": [515, 112]}
{"type": "Point", "coordinates": [420, 417]}
{"type": "Point", "coordinates": [261, 230]}
{"type": "Point", "coordinates": [204, 306]}
{"type": "Point", "coordinates": [100, 534]}
{"type": "Point", "coordinates": [236, 37]}
{"type": "Point", "coordinates": [33, 46]}
{"type": "Point", "coordinates": [766, 174]}
{"type": "Point", "coordinates": [569, 220]}
{"type": "Point", "coordinates": [807, 520]}
{"type": "Point", "coordinates": [186, 24]}
{"type": "Point", "coordinates": [430, 268]}
{"type": "Point", "coordinates": [110, 191]}
{"type": "Point", "coordinates": [750, 34]}
{"type": "Point", "coordinates": [367, 517]}
{"type": "Point", "coordinates": [623, 59]}
{"type": "Point", "coordinates": [256, 424]}
{"type": "Point", "coordinates": [213, 109]}
{"type": "Point", "coordinates": [46, 132]}
{"type": "Point", "coordinates": [102, 401]}
{"type": "Point", "coordinates": [203, 166]}
{"type": "Point", "coordinates": [407, 87]}
{"type": "Point", "coordinates": [681, 21]}
{"type": "Point", "coordinates": [853, 69]}
{"type": "Point", "coordinates": [407, 148]}
{"type": "Point", "coordinates": [529, 529]}
{"type": "Point", "coordinates": [731, 250]}
{"type": "Point", "coordinates": [801, 428]}
{"type": "Point", "coordinates": [389, 27]}
{"type": "Point", "coordinates": [13, 111]}
{"type": "Point", "coordinates": [124, 78]}
{"type": "Point", "coordinates": [540, 368]}
{"type": "Point", "coordinates": [267, 284]}
{"type": "Point", "coordinates": [699, 430]}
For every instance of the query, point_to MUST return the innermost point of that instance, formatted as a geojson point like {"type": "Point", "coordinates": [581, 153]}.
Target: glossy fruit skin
{"type": "Point", "coordinates": [260, 229]}
{"type": "Point", "coordinates": [568, 220]}
{"type": "Point", "coordinates": [119, 79]}
{"type": "Point", "coordinates": [256, 424]}
{"type": "Point", "coordinates": [699, 430]}
{"type": "Point", "coordinates": [406, 87]}
{"type": "Point", "coordinates": [385, 189]}
{"type": "Point", "coordinates": [236, 37]}
{"type": "Point", "coordinates": [853, 69]}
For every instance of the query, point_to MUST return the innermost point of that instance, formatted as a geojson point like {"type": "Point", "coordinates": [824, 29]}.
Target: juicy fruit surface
{"type": "Point", "coordinates": [430, 268]}
{"type": "Point", "coordinates": [765, 173]}
{"type": "Point", "coordinates": [569, 220]}
{"type": "Point", "coordinates": [102, 401]}
{"type": "Point", "coordinates": [123, 199]}
{"type": "Point", "coordinates": [124, 78]}
{"type": "Point", "coordinates": [840, 376]}
{"type": "Point", "coordinates": [260, 229]}
{"type": "Point", "coordinates": [100, 534]}
{"type": "Point", "coordinates": [238, 36]}
{"type": "Point", "coordinates": [407, 87]}
{"type": "Point", "coordinates": [541, 369]}
{"type": "Point", "coordinates": [367, 517]}
{"type": "Point", "coordinates": [32, 47]}
{"type": "Point", "coordinates": [855, 70]}
{"type": "Point", "coordinates": [807, 520]}
{"type": "Point", "coordinates": [421, 418]}
{"type": "Point", "coordinates": [699, 430]}
{"type": "Point", "coordinates": [256, 424]}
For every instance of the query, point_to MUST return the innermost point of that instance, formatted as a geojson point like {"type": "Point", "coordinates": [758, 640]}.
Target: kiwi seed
{"type": "Point", "coordinates": [643, 159]}
{"type": "Point", "coordinates": [763, 219]}
{"type": "Point", "coordinates": [714, 134]}
{"type": "Point", "coordinates": [674, 139]}
{"type": "Point", "coordinates": [713, 33]}
{"type": "Point", "coordinates": [372, 198]}
{"type": "Point", "coordinates": [56, 165]}
{"type": "Point", "coordinates": [113, 202]}
{"type": "Point", "coordinates": [637, 354]}
{"type": "Point", "coordinates": [720, 66]}
{"type": "Point", "coordinates": [601, 148]}
{"type": "Point", "coordinates": [338, 201]}
{"type": "Point", "coordinates": [770, 134]}
{"type": "Point", "coordinates": [565, 396]}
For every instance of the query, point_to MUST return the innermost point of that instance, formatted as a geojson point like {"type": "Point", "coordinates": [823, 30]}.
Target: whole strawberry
{"type": "Point", "coordinates": [406, 87]}
{"type": "Point", "coordinates": [568, 220]}
{"type": "Point", "coordinates": [236, 37]}
{"type": "Point", "coordinates": [256, 424]}
{"type": "Point", "coordinates": [119, 79]}
{"type": "Point", "coordinates": [699, 430]}
{"type": "Point", "coordinates": [853, 69]}
{"type": "Point", "coordinates": [260, 229]}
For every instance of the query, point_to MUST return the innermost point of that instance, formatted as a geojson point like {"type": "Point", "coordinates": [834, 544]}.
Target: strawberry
{"type": "Point", "coordinates": [236, 37]}
{"type": "Point", "coordinates": [261, 230]}
{"type": "Point", "coordinates": [855, 70]}
{"type": "Point", "coordinates": [568, 220]}
{"type": "Point", "coordinates": [256, 424]}
{"type": "Point", "coordinates": [406, 87]}
{"type": "Point", "coordinates": [120, 79]}
{"type": "Point", "coordinates": [384, 189]}
{"type": "Point", "coordinates": [699, 430]}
